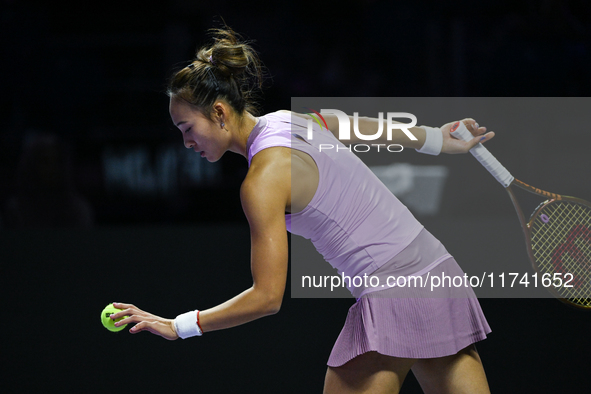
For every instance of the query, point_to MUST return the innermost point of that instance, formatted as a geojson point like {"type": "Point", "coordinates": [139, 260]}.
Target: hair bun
{"type": "Point", "coordinates": [229, 69]}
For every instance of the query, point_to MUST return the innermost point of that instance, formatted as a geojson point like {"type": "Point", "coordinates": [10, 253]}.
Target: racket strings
{"type": "Point", "coordinates": [561, 244]}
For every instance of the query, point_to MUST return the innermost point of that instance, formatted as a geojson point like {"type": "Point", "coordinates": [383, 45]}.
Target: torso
{"type": "Point", "coordinates": [304, 181]}
{"type": "Point", "coordinates": [332, 199]}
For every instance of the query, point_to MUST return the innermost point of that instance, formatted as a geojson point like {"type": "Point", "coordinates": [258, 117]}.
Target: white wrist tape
{"type": "Point", "coordinates": [186, 325]}
{"type": "Point", "coordinates": [433, 141]}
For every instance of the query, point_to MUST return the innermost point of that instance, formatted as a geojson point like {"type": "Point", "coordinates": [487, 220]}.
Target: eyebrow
{"type": "Point", "coordinates": [180, 123]}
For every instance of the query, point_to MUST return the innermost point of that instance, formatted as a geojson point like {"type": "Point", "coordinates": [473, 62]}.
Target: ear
{"type": "Point", "coordinates": [221, 110]}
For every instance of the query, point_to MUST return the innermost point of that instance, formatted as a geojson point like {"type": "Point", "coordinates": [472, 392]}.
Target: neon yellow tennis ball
{"type": "Point", "coordinates": [108, 322]}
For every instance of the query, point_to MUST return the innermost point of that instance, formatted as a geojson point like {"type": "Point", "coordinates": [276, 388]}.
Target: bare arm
{"type": "Point", "coordinates": [265, 193]}
{"type": "Point", "coordinates": [370, 126]}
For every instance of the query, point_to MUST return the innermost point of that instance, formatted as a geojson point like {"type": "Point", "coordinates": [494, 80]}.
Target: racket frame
{"type": "Point", "coordinates": [527, 227]}
{"type": "Point", "coordinates": [504, 177]}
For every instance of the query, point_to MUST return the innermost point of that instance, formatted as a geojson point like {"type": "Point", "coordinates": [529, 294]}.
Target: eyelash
{"type": "Point", "coordinates": [186, 131]}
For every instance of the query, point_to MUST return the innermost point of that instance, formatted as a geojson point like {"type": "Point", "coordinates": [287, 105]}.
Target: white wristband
{"type": "Point", "coordinates": [186, 325]}
{"type": "Point", "coordinates": [433, 141]}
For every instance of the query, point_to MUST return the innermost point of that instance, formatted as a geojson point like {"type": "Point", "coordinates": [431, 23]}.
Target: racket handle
{"type": "Point", "coordinates": [459, 131]}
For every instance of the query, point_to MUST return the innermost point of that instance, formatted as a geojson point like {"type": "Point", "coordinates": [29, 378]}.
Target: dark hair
{"type": "Point", "coordinates": [228, 69]}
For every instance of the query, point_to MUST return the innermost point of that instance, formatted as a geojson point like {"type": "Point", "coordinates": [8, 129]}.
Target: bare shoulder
{"type": "Point", "coordinates": [270, 162]}
{"type": "Point", "coordinates": [268, 181]}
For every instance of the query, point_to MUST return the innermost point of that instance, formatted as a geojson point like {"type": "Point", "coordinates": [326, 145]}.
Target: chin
{"type": "Point", "coordinates": [212, 159]}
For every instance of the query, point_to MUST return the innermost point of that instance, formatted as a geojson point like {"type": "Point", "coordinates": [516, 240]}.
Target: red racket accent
{"type": "Point", "coordinates": [572, 249]}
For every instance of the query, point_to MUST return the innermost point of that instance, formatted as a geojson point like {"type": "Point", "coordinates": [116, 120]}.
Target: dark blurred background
{"type": "Point", "coordinates": [100, 202]}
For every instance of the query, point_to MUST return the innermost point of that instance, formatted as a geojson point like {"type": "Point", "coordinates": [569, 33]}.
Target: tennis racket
{"type": "Point", "coordinates": [557, 235]}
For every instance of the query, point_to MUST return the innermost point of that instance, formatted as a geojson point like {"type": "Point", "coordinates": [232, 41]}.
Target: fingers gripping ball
{"type": "Point", "coordinates": [108, 322]}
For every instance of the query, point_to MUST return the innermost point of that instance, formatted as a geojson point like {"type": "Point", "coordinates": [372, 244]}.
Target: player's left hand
{"type": "Point", "coordinates": [144, 321]}
{"type": "Point", "coordinates": [453, 145]}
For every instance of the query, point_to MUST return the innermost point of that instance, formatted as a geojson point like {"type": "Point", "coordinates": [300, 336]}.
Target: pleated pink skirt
{"type": "Point", "coordinates": [413, 322]}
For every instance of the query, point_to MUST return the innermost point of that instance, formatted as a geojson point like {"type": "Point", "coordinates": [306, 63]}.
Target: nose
{"type": "Point", "coordinates": [189, 144]}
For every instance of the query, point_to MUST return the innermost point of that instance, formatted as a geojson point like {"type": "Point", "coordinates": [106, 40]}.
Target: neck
{"type": "Point", "coordinates": [243, 129]}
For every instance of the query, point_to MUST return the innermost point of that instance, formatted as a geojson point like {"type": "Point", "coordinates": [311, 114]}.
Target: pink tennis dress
{"type": "Point", "coordinates": [361, 228]}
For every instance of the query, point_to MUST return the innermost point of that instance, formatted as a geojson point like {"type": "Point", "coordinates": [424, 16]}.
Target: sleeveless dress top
{"type": "Point", "coordinates": [353, 220]}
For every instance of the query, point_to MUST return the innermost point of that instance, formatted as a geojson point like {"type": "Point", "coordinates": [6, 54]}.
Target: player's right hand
{"type": "Point", "coordinates": [453, 145]}
{"type": "Point", "coordinates": [145, 321]}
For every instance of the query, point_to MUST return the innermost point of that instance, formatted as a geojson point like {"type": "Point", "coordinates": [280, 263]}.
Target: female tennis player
{"type": "Point", "coordinates": [352, 219]}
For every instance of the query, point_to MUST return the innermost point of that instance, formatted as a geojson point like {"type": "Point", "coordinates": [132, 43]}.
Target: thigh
{"type": "Point", "coordinates": [458, 374]}
{"type": "Point", "coordinates": [369, 372]}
